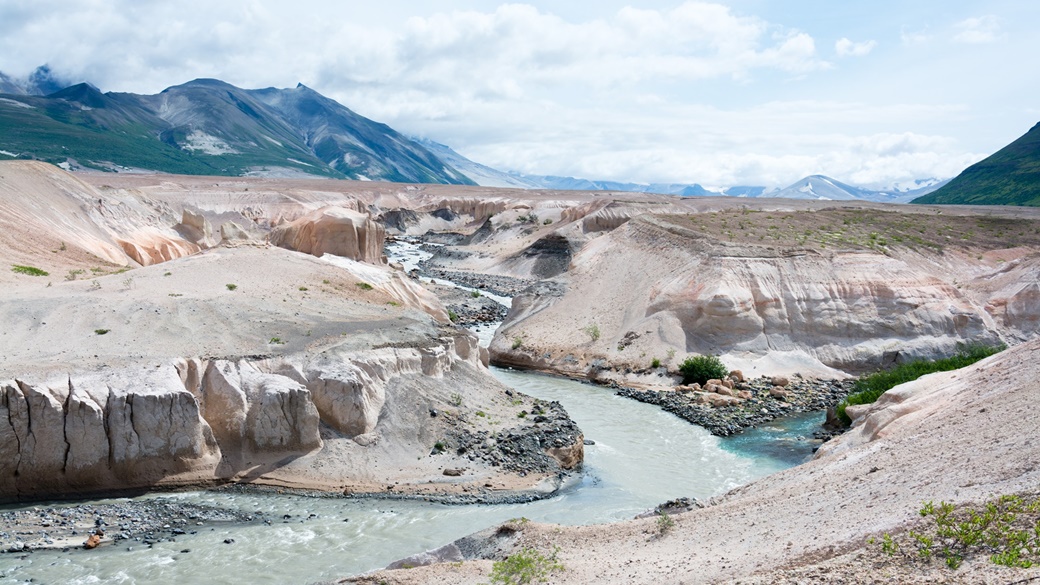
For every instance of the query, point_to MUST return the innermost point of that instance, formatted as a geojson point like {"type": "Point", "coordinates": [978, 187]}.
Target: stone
{"type": "Point", "coordinates": [453, 471]}
{"type": "Point", "coordinates": [736, 376]}
{"type": "Point", "coordinates": [713, 381]}
{"type": "Point", "coordinates": [728, 383]}
{"type": "Point", "coordinates": [780, 381]}
{"type": "Point", "coordinates": [745, 395]}
{"type": "Point", "coordinates": [92, 542]}
{"type": "Point", "coordinates": [779, 392]}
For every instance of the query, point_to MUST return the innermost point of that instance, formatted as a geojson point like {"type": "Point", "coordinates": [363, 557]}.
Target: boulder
{"type": "Point", "coordinates": [728, 383]}
{"type": "Point", "coordinates": [779, 392]}
{"type": "Point", "coordinates": [92, 542]}
{"type": "Point", "coordinates": [780, 381]}
{"type": "Point", "coordinates": [736, 376]}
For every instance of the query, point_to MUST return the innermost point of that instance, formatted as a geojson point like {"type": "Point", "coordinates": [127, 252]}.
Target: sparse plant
{"type": "Point", "coordinates": [29, 270]}
{"type": "Point", "coordinates": [231, 286]}
{"type": "Point", "coordinates": [325, 281]}
{"type": "Point", "coordinates": [671, 354]}
{"type": "Point", "coordinates": [475, 294]}
{"type": "Point", "coordinates": [439, 447]}
{"type": "Point", "coordinates": [456, 399]}
{"type": "Point", "coordinates": [128, 282]}
{"type": "Point", "coordinates": [655, 363]}
{"type": "Point", "coordinates": [63, 247]}
{"type": "Point", "coordinates": [699, 369]}
{"type": "Point", "coordinates": [95, 285]}
{"type": "Point", "coordinates": [664, 523]}
{"type": "Point", "coordinates": [276, 341]}
{"type": "Point", "coordinates": [364, 286]}
{"type": "Point", "coordinates": [101, 331]}
{"type": "Point", "coordinates": [888, 546]}
{"type": "Point", "coordinates": [303, 289]}
{"type": "Point", "coordinates": [481, 413]}
{"type": "Point", "coordinates": [526, 566]}
{"type": "Point", "coordinates": [592, 331]}
{"type": "Point", "coordinates": [517, 342]}
{"type": "Point", "coordinates": [453, 316]}
{"type": "Point", "coordinates": [167, 274]}
{"type": "Point", "coordinates": [547, 221]}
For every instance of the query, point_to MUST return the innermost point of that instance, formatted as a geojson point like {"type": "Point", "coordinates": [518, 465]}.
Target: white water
{"type": "Point", "coordinates": [642, 456]}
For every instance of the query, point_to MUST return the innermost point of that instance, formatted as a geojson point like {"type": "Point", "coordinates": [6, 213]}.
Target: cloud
{"type": "Point", "coordinates": [846, 48]}
{"type": "Point", "coordinates": [978, 30]}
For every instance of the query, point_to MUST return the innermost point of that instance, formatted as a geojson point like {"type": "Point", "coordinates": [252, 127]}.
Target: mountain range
{"type": "Point", "coordinates": [207, 126]}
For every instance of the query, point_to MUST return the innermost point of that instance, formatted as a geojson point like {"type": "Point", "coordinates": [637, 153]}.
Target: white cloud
{"type": "Point", "coordinates": [846, 48]}
{"type": "Point", "coordinates": [977, 31]}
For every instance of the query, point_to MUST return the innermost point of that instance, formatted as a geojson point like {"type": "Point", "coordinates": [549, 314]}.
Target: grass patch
{"type": "Point", "coordinates": [869, 388]}
{"type": "Point", "coordinates": [231, 286]}
{"type": "Point", "coordinates": [364, 286]}
{"type": "Point", "coordinates": [101, 331]}
{"type": "Point", "coordinates": [592, 331]}
{"type": "Point", "coordinates": [30, 270]}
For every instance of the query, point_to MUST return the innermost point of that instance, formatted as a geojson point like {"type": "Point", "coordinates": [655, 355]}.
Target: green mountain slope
{"type": "Point", "coordinates": [210, 127]}
{"type": "Point", "coordinates": [1011, 176]}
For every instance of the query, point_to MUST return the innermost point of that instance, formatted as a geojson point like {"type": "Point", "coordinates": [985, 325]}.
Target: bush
{"type": "Point", "coordinates": [231, 286]}
{"type": "Point", "coordinates": [526, 566]}
{"type": "Point", "coordinates": [869, 388]}
{"type": "Point", "coordinates": [702, 368]}
{"type": "Point", "coordinates": [655, 363]}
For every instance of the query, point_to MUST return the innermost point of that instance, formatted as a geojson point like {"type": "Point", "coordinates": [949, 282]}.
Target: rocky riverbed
{"type": "Point", "coordinates": [762, 406]}
{"type": "Point", "coordinates": [133, 523]}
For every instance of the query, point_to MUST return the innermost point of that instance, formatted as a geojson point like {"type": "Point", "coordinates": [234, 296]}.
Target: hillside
{"type": "Point", "coordinates": [1011, 176]}
{"type": "Point", "coordinates": [210, 127]}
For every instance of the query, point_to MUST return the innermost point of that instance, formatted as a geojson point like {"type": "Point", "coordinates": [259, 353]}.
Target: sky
{"type": "Point", "coordinates": [721, 93]}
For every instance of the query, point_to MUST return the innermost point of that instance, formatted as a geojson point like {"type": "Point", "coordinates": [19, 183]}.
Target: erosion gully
{"type": "Point", "coordinates": [639, 456]}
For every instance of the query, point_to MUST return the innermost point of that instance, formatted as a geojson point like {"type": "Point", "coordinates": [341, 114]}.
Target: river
{"type": "Point", "coordinates": [641, 456]}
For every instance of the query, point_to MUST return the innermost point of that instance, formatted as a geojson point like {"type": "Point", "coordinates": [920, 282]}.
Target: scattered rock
{"type": "Point", "coordinates": [453, 471]}
{"type": "Point", "coordinates": [780, 381]}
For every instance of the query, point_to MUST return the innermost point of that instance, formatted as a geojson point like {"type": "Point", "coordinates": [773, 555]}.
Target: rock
{"type": "Point", "coordinates": [779, 381]}
{"type": "Point", "coordinates": [736, 376]}
{"type": "Point", "coordinates": [92, 542]}
{"type": "Point", "coordinates": [728, 383]}
{"type": "Point", "coordinates": [333, 230]}
{"type": "Point", "coordinates": [724, 390]}
{"type": "Point", "coordinates": [779, 392]}
{"type": "Point", "coordinates": [453, 471]}
{"type": "Point", "coordinates": [713, 381]}
{"type": "Point", "coordinates": [744, 395]}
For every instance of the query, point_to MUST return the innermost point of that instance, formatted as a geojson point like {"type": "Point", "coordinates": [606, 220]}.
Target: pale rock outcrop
{"type": "Point", "coordinates": [148, 246]}
{"type": "Point", "coordinates": [252, 411]}
{"type": "Point", "coordinates": [333, 230]}
{"type": "Point", "coordinates": [667, 287]}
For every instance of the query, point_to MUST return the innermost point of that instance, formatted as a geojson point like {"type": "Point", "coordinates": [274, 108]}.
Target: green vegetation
{"type": "Point", "coordinates": [453, 316]}
{"type": "Point", "coordinates": [1010, 176]}
{"type": "Point", "coordinates": [869, 388]}
{"type": "Point", "coordinates": [364, 286]}
{"type": "Point", "coordinates": [101, 331]}
{"type": "Point", "coordinates": [30, 270]}
{"type": "Point", "coordinates": [517, 342]}
{"type": "Point", "coordinates": [664, 523]}
{"type": "Point", "coordinates": [231, 286]}
{"type": "Point", "coordinates": [592, 331]}
{"type": "Point", "coordinates": [655, 363]}
{"type": "Point", "coordinates": [699, 369]}
{"type": "Point", "coordinates": [303, 289]}
{"type": "Point", "coordinates": [276, 341]}
{"type": "Point", "coordinates": [1006, 528]}
{"type": "Point", "coordinates": [72, 274]}
{"type": "Point", "coordinates": [526, 566]}
{"type": "Point", "coordinates": [456, 399]}
{"type": "Point", "coordinates": [475, 294]}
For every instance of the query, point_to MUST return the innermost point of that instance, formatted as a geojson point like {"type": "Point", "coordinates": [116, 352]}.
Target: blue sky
{"type": "Point", "coordinates": [720, 93]}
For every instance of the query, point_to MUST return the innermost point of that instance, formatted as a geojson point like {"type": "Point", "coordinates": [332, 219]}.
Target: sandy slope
{"type": "Point", "coordinates": [960, 437]}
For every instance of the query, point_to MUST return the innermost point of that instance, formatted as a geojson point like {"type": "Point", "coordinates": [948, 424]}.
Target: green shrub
{"type": "Point", "coordinates": [453, 316]}
{"type": "Point", "coordinates": [526, 566]}
{"type": "Point", "coordinates": [30, 270]}
{"type": "Point", "coordinates": [592, 331]}
{"type": "Point", "coordinates": [101, 331]}
{"type": "Point", "coordinates": [655, 363]}
{"type": "Point", "coordinates": [364, 286]}
{"type": "Point", "coordinates": [231, 286]}
{"type": "Point", "coordinates": [517, 342]}
{"type": "Point", "coordinates": [702, 368]}
{"type": "Point", "coordinates": [475, 294]}
{"type": "Point", "coordinates": [869, 388]}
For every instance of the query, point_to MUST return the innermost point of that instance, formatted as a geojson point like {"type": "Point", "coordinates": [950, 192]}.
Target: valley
{"type": "Point", "coordinates": [186, 332]}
